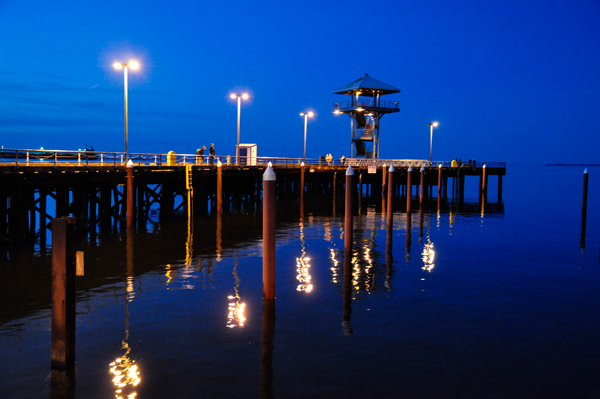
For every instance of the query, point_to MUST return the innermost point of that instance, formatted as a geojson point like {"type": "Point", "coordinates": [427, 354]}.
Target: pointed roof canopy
{"type": "Point", "coordinates": [368, 86]}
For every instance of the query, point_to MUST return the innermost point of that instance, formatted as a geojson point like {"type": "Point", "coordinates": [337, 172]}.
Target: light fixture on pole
{"type": "Point", "coordinates": [431, 125]}
{"type": "Point", "coordinates": [133, 65]}
{"type": "Point", "coordinates": [305, 115]}
{"type": "Point", "coordinates": [239, 103]}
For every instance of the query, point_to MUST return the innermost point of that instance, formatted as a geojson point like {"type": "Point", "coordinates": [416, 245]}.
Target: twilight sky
{"type": "Point", "coordinates": [515, 81]}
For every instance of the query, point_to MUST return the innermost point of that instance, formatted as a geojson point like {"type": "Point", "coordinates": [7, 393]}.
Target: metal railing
{"type": "Point", "coordinates": [367, 103]}
{"type": "Point", "coordinates": [42, 157]}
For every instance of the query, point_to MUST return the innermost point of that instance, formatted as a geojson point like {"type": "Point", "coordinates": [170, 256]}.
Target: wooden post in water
{"type": "Point", "coordinates": [422, 184]}
{"type": "Point", "coordinates": [269, 187]}
{"type": "Point", "coordinates": [585, 193]}
{"type": "Point", "coordinates": [383, 176]}
{"type": "Point", "coordinates": [130, 196]}
{"type": "Point", "coordinates": [220, 186]}
{"type": "Point", "coordinates": [483, 185]}
{"type": "Point", "coordinates": [439, 194]}
{"type": "Point", "coordinates": [348, 224]}
{"type": "Point", "coordinates": [408, 189]}
{"type": "Point", "coordinates": [390, 196]}
{"type": "Point", "coordinates": [63, 296]}
{"type": "Point", "coordinates": [302, 182]}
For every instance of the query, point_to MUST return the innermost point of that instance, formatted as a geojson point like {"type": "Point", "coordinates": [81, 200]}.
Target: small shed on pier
{"type": "Point", "coordinates": [365, 109]}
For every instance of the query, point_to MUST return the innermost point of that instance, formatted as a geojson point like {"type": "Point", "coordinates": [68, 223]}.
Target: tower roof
{"type": "Point", "coordinates": [368, 86]}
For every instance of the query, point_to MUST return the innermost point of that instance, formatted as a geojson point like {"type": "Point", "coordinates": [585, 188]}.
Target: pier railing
{"type": "Point", "coordinates": [41, 157]}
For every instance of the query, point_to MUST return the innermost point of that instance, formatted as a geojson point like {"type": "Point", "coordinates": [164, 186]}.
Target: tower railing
{"type": "Point", "coordinates": [367, 102]}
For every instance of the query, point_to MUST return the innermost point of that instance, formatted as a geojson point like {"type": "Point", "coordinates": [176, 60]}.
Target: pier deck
{"type": "Point", "coordinates": [33, 191]}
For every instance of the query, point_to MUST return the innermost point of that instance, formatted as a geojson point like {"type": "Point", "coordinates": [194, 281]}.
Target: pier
{"type": "Point", "coordinates": [39, 185]}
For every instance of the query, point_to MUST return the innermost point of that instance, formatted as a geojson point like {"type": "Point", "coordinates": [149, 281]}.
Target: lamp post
{"type": "Point", "coordinates": [239, 104]}
{"type": "Point", "coordinates": [305, 115]}
{"type": "Point", "coordinates": [431, 126]}
{"type": "Point", "coordinates": [133, 65]}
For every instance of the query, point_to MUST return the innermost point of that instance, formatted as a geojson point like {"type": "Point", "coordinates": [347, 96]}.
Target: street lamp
{"type": "Point", "coordinates": [133, 65]}
{"type": "Point", "coordinates": [305, 115]}
{"type": "Point", "coordinates": [431, 125]}
{"type": "Point", "coordinates": [239, 101]}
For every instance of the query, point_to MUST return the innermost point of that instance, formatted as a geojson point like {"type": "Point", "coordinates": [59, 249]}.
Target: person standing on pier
{"type": "Point", "coordinates": [211, 153]}
{"type": "Point", "coordinates": [200, 155]}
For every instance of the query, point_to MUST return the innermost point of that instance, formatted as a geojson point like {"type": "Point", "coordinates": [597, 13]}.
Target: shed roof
{"type": "Point", "coordinates": [368, 86]}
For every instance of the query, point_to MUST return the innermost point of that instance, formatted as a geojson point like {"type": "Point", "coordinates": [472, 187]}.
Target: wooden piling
{"type": "Point", "coordinates": [390, 196]}
{"type": "Point", "coordinates": [302, 182]}
{"type": "Point", "coordinates": [130, 196]}
{"type": "Point", "coordinates": [269, 186]}
{"type": "Point", "coordinates": [389, 258]}
{"type": "Point", "coordinates": [63, 295]}
{"type": "Point", "coordinates": [585, 193]}
{"type": "Point", "coordinates": [219, 187]}
{"type": "Point", "coordinates": [422, 185]}
{"type": "Point", "coordinates": [348, 223]}
{"type": "Point", "coordinates": [383, 183]}
{"type": "Point", "coordinates": [483, 186]}
{"type": "Point", "coordinates": [408, 189]}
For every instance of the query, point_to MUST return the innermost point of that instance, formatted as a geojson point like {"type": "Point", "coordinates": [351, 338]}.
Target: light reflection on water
{"type": "Point", "coordinates": [126, 374]}
{"type": "Point", "coordinates": [485, 305]}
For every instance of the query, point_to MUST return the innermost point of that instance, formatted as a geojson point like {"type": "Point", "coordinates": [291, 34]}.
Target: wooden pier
{"type": "Point", "coordinates": [33, 193]}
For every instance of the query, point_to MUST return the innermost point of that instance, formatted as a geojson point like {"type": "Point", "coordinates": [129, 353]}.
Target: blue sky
{"type": "Point", "coordinates": [515, 81]}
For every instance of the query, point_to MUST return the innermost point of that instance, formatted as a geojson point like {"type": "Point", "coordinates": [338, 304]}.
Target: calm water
{"type": "Point", "coordinates": [503, 303]}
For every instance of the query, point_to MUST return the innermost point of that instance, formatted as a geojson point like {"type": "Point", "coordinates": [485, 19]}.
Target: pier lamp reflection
{"type": "Point", "coordinates": [428, 254]}
{"type": "Point", "coordinates": [236, 308]}
{"type": "Point", "coordinates": [125, 373]}
{"type": "Point", "coordinates": [303, 265]}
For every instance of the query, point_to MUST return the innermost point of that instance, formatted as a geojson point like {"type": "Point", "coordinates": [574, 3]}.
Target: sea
{"type": "Point", "coordinates": [455, 300]}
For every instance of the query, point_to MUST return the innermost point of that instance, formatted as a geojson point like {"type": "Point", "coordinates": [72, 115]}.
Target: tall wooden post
{"type": "Point", "coordinates": [302, 182]}
{"type": "Point", "coordinates": [63, 295]}
{"type": "Point", "coordinates": [219, 186]}
{"type": "Point", "coordinates": [484, 186]}
{"type": "Point", "coordinates": [130, 196]}
{"type": "Point", "coordinates": [348, 223]}
{"type": "Point", "coordinates": [390, 196]}
{"type": "Point", "coordinates": [383, 176]}
{"type": "Point", "coordinates": [422, 184]}
{"type": "Point", "coordinates": [408, 189]}
{"type": "Point", "coordinates": [439, 193]}
{"type": "Point", "coordinates": [269, 187]}
{"type": "Point", "coordinates": [585, 192]}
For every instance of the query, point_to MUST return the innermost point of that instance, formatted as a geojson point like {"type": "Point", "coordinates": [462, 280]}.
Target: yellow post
{"type": "Point", "coordinates": [171, 158]}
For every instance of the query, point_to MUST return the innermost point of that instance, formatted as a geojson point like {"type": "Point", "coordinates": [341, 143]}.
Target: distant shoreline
{"type": "Point", "coordinates": [573, 164]}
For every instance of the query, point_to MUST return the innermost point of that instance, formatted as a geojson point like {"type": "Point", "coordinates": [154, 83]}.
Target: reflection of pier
{"type": "Point", "coordinates": [31, 195]}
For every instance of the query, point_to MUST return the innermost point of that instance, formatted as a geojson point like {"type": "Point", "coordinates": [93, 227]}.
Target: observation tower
{"type": "Point", "coordinates": [365, 109]}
